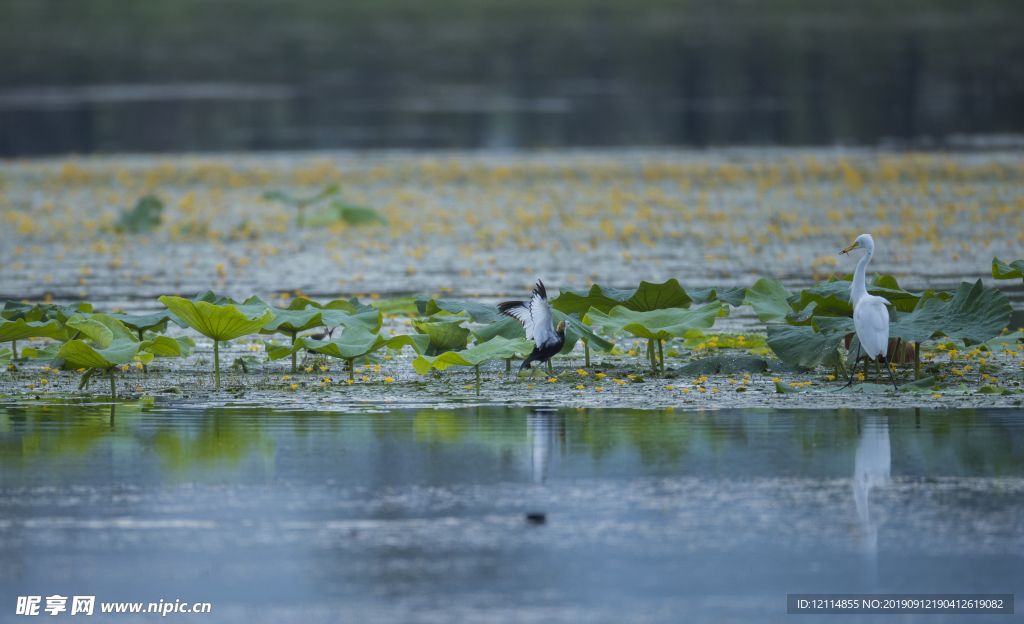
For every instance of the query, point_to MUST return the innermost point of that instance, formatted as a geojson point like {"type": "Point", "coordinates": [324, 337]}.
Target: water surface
{"type": "Point", "coordinates": [419, 515]}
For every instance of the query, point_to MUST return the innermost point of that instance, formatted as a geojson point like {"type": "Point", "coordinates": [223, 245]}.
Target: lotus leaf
{"type": "Point", "coordinates": [300, 203]}
{"type": "Point", "coordinates": [1011, 340]}
{"type": "Point", "coordinates": [291, 322]}
{"type": "Point", "coordinates": [974, 314]}
{"type": "Point", "coordinates": [655, 324]}
{"type": "Point", "coordinates": [784, 388]}
{"type": "Point", "coordinates": [355, 342]}
{"type": "Point", "coordinates": [833, 298]}
{"type": "Point", "coordinates": [506, 328]}
{"type": "Point", "coordinates": [149, 322]}
{"type": "Point", "coordinates": [645, 298]}
{"type": "Point", "coordinates": [733, 296]}
{"type": "Point", "coordinates": [5, 358]}
{"type": "Point", "coordinates": [20, 329]}
{"type": "Point", "coordinates": [220, 322]}
{"type": "Point", "coordinates": [802, 346]}
{"type": "Point", "coordinates": [926, 384]}
{"type": "Point", "coordinates": [480, 313]}
{"type": "Point", "coordinates": [358, 215]}
{"type": "Point", "coordinates": [725, 364]}
{"type": "Point", "coordinates": [769, 298]}
{"type": "Point", "coordinates": [352, 306]}
{"type": "Point", "coordinates": [47, 353]}
{"type": "Point", "coordinates": [14, 310]}
{"type": "Point", "coordinates": [1002, 271]}
{"type": "Point", "coordinates": [143, 218]}
{"type": "Point", "coordinates": [496, 348]}
{"type": "Point", "coordinates": [396, 305]}
{"type": "Point", "coordinates": [444, 336]}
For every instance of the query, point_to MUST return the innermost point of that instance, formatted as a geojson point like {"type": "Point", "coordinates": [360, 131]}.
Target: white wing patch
{"type": "Point", "coordinates": [522, 314]}
{"type": "Point", "coordinates": [543, 326]}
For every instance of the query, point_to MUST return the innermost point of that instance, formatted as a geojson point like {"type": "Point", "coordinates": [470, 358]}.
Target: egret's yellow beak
{"type": "Point", "coordinates": [848, 249]}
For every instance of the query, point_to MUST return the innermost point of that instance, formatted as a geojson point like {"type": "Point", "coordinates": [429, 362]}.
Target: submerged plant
{"type": "Point", "coordinates": [219, 320]}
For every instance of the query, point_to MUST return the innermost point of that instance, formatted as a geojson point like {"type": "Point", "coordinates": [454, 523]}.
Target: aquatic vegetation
{"type": "Point", "coordinates": [293, 320]}
{"type": "Point", "coordinates": [5, 358]}
{"type": "Point", "coordinates": [20, 329]}
{"type": "Point", "coordinates": [656, 325]}
{"type": "Point", "coordinates": [444, 335]}
{"type": "Point", "coordinates": [301, 203]}
{"type": "Point", "coordinates": [645, 297]}
{"type": "Point", "coordinates": [355, 342]}
{"type": "Point", "coordinates": [1003, 271]}
{"type": "Point", "coordinates": [495, 348]}
{"type": "Point", "coordinates": [145, 217]}
{"type": "Point", "coordinates": [219, 321]}
{"type": "Point", "coordinates": [112, 345]}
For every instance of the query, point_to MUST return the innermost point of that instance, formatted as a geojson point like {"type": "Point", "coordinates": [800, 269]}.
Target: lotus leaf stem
{"type": "Point", "coordinates": [216, 361]}
{"type": "Point", "coordinates": [661, 356]}
{"type": "Point", "coordinates": [14, 350]}
{"type": "Point", "coordinates": [145, 370]}
{"type": "Point", "coordinates": [917, 361]}
{"type": "Point", "coordinates": [508, 365]}
{"type": "Point", "coordinates": [293, 352]}
{"type": "Point", "coordinates": [352, 369]}
{"type": "Point", "coordinates": [478, 380]}
{"type": "Point", "coordinates": [586, 352]}
{"type": "Point", "coordinates": [113, 392]}
{"type": "Point", "coordinates": [650, 354]}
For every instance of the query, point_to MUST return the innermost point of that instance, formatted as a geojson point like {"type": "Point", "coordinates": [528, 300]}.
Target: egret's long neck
{"type": "Point", "coordinates": [858, 289]}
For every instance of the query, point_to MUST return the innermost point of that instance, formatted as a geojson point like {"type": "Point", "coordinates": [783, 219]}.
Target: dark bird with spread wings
{"type": "Point", "coordinates": [535, 315]}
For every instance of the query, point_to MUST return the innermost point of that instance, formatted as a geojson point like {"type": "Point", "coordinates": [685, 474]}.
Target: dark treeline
{"type": "Point", "coordinates": [170, 75]}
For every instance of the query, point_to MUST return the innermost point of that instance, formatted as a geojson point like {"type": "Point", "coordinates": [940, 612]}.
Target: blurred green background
{"type": "Point", "coordinates": [196, 75]}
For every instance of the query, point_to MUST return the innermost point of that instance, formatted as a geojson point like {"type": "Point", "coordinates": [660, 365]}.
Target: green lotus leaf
{"type": "Point", "coordinates": [725, 364]}
{"type": "Point", "coordinates": [769, 298]}
{"type": "Point", "coordinates": [148, 322]}
{"type": "Point", "coordinates": [396, 305]}
{"type": "Point", "coordinates": [833, 298]}
{"type": "Point", "coordinates": [143, 218]}
{"type": "Point", "coordinates": [102, 329]}
{"type": "Point", "coordinates": [358, 215]}
{"type": "Point", "coordinates": [831, 324]}
{"type": "Point", "coordinates": [444, 336]}
{"type": "Point", "coordinates": [163, 346]}
{"type": "Point", "coordinates": [646, 297]}
{"type": "Point", "coordinates": [480, 313]}
{"type": "Point", "coordinates": [14, 310]}
{"type": "Point", "coordinates": [47, 353]}
{"type": "Point", "coordinates": [83, 355]}
{"type": "Point", "coordinates": [496, 348]}
{"type": "Point", "coordinates": [5, 358]}
{"type": "Point", "coordinates": [784, 388]}
{"type": "Point", "coordinates": [1011, 341]}
{"type": "Point", "coordinates": [352, 306]}
{"type": "Point", "coordinates": [507, 327]}
{"type": "Point", "coordinates": [575, 332]}
{"type": "Point", "coordinates": [656, 324]}
{"type": "Point", "coordinates": [974, 314]}
{"type": "Point", "coordinates": [302, 202]}
{"type": "Point", "coordinates": [219, 322]}
{"type": "Point", "coordinates": [733, 296]}
{"type": "Point", "coordinates": [1002, 271]}
{"type": "Point", "coordinates": [21, 329]}
{"type": "Point", "coordinates": [925, 384]}
{"type": "Point", "coordinates": [801, 345]}
{"type": "Point", "coordinates": [357, 341]}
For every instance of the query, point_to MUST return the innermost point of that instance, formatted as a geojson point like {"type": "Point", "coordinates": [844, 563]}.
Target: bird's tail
{"type": "Point", "coordinates": [526, 363]}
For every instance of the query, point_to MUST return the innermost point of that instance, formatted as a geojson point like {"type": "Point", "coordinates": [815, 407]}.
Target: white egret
{"type": "Point", "coordinates": [870, 314]}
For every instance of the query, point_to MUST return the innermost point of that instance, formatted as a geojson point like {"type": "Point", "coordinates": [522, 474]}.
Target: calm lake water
{"type": "Point", "coordinates": [419, 515]}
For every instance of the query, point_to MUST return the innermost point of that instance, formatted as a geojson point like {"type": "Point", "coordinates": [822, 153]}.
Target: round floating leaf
{"type": "Point", "coordinates": [219, 322]}
{"type": "Point", "coordinates": [496, 348]}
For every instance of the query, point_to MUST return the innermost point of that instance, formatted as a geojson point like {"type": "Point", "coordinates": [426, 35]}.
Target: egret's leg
{"type": "Point", "coordinates": [891, 378]}
{"type": "Point", "coordinates": [854, 371]}
{"type": "Point", "coordinates": [878, 372]}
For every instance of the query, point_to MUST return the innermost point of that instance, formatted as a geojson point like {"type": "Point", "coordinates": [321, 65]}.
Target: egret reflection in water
{"type": "Point", "coordinates": [872, 468]}
{"type": "Point", "coordinates": [544, 428]}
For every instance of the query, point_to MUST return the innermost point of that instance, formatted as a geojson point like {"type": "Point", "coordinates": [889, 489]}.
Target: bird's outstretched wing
{"type": "Point", "coordinates": [535, 315]}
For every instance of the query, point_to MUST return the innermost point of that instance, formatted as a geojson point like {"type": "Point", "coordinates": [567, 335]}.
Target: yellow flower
{"type": "Point", "coordinates": [686, 390]}
{"type": "Point", "coordinates": [831, 377]}
{"type": "Point", "coordinates": [619, 381]}
{"type": "Point", "coordinates": [349, 381]}
{"type": "Point", "coordinates": [714, 389]}
{"type": "Point", "coordinates": [286, 378]}
{"type": "Point", "coordinates": [125, 367]}
{"type": "Point", "coordinates": [936, 396]}
{"type": "Point", "coordinates": [389, 379]}
{"type": "Point", "coordinates": [599, 389]}
{"type": "Point", "coordinates": [703, 378]}
{"type": "Point", "coordinates": [669, 387]}
{"type": "Point", "coordinates": [631, 352]}
{"type": "Point", "coordinates": [700, 389]}
{"type": "Point", "coordinates": [44, 381]}
{"type": "Point", "coordinates": [581, 372]}
{"type": "Point", "coordinates": [552, 380]}
{"type": "Point", "coordinates": [529, 387]}
{"type": "Point", "coordinates": [309, 368]}
{"type": "Point", "coordinates": [294, 386]}
{"type": "Point", "coordinates": [365, 378]}
{"type": "Point", "coordinates": [600, 375]}
{"type": "Point", "coordinates": [579, 387]}
{"type": "Point", "coordinates": [323, 368]}
{"type": "Point", "coordinates": [469, 387]}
